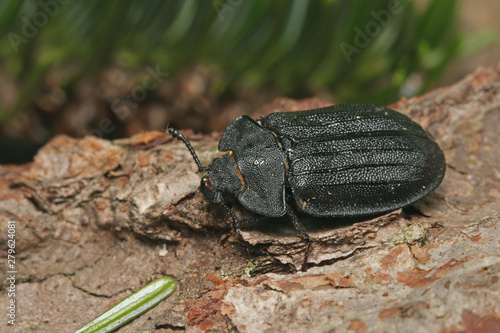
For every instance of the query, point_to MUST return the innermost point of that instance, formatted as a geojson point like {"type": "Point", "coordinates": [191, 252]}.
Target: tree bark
{"type": "Point", "coordinates": [96, 220]}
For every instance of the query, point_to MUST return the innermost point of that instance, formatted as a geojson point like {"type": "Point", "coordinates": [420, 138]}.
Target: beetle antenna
{"type": "Point", "coordinates": [177, 135]}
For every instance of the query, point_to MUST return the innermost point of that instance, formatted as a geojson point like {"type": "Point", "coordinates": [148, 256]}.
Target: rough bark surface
{"type": "Point", "coordinates": [96, 220]}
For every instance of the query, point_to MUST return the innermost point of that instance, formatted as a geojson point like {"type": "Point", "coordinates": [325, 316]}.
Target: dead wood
{"type": "Point", "coordinates": [96, 220]}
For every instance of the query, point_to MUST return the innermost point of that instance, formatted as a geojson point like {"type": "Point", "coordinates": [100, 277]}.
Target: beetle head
{"type": "Point", "coordinates": [222, 183]}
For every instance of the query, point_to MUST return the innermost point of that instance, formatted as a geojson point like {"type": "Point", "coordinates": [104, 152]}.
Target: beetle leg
{"type": "Point", "coordinates": [236, 224]}
{"type": "Point", "coordinates": [302, 234]}
{"type": "Point", "coordinates": [251, 220]}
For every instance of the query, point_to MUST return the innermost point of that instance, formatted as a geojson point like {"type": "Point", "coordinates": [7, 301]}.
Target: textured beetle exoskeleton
{"type": "Point", "coordinates": [344, 160]}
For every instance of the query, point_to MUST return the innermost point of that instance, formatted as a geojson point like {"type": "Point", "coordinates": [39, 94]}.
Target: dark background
{"type": "Point", "coordinates": [114, 68]}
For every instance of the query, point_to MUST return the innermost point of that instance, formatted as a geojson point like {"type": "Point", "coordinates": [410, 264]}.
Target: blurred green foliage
{"type": "Point", "coordinates": [360, 50]}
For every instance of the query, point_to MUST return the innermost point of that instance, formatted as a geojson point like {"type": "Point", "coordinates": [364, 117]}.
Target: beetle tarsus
{"type": "Point", "coordinates": [225, 238]}
{"type": "Point", "coordinates": [236, 224]}
{"type": "Point", "coordinates": [306, 256]}
{"type": "Point", "coordinates": [302, 234]}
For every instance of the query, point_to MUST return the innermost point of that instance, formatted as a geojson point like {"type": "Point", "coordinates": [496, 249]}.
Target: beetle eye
{"type": "Point", "coordinates": [207, 183]}
{"type": "Point", "coordinates": [209, 191]}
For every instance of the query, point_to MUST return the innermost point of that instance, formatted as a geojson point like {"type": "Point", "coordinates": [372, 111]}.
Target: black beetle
{"type": "Point", "coordinates": [339, 161]}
